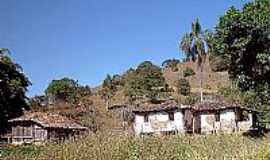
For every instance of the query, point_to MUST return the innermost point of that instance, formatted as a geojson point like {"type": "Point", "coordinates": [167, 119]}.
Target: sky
{"type": "Point", "coordinates": [88, 39]}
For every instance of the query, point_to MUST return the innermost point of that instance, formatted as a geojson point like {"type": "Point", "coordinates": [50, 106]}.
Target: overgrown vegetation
{"type": "Point", "coordinates": [105, 146]}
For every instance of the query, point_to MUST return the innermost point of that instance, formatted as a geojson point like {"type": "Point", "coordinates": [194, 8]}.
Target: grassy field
{"type": "Point", "coordinates": [107, 147]}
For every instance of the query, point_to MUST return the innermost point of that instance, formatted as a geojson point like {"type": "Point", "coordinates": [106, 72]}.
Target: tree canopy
{"type": "Point", "coordinates": [240, 44]}
{"type": "Point", "coordinates": [144, 81]}
{"type": "Point", "coordinates": [65, 89]}
{"type": "Point", "coordinates": [242, 39]}
{"type": "Point", "coordinates": [13, 86]}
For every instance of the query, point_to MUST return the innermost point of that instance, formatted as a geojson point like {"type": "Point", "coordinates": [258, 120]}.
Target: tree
{"type": "Point", "coordinates": [144, 82]}
{"type": "Point", "coordinates": [193, 45]}
{"type": "Point", "coordinates": [183, 87]}
{"type": "Point", "coordinates": [13, 86]}
{"type": "Point", "coordinates": [84, 91]}
{"type": "Point", "coordinates": [65, 89]}
{"type": "Point", "coordinates": [172, 64]}
{"type": "Point", "coordinates": [108, 90]}
{"type": "Point", "coordinates": [242, 39]}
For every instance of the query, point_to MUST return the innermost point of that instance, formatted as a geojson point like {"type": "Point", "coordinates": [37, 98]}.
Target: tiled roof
{"type": "Point", "coordinates": [49, 120]}
{"type": "Point", "coordinates": [155, 107]}
{"type": "Point", "coordinates": [217, 105]}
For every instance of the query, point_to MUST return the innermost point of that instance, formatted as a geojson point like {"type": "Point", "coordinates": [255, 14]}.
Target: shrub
{"type": "Point", "coordinates": [188, 72]}
{"type": "Point", "coordinates": [190, 100]}
{"type": "Point", "coordinates": [183, 87]}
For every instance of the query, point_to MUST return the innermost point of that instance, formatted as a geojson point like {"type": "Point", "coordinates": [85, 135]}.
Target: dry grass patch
{"type": "Point", "coordinates": [107, 147]}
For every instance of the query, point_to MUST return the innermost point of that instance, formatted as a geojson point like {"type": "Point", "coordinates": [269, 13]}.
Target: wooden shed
{"type": "Point", "coordinates": [38, 127]}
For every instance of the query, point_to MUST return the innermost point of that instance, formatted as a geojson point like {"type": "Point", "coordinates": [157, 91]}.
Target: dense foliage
{"type": "Point", "coordinates": [13, 86]}
{"type": "Point", "coordinates": [243, 37]}
{"type": "Point", "coordinates": [66, 89]}
{"type": "Point", "coordinates": [241, 45]}
{"type": "Point", "coordinates": [144, 82]}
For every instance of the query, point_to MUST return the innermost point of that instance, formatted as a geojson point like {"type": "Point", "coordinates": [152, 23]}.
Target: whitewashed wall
{"type": "Point", "coordinates": [226, 124]}
{"type": "Point", "coordinates": [158, 122]}
{"type": "Point", "coordinates": [207, 123]}
{"type": "Point", "coordinates": [228, 121]}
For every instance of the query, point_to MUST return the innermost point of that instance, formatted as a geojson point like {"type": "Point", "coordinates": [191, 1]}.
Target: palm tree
{"type": "Point", "coordinates": [3, 51]}
{"type": "Point", "coordinates": [193, 45]}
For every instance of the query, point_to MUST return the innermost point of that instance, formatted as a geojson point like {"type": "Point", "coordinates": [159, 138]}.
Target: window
{"type": "Point", "coordinates": [146, 118]}
{"type": "Point", "coordinates": [217, 117]}
{"type": "Point", "coordinates": [27, 131]}
{"type": "Point", "coordinates": [171, 116]}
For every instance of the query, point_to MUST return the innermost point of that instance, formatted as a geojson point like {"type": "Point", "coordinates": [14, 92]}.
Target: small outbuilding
{"type": "Point", "coordinates": [38, 127]}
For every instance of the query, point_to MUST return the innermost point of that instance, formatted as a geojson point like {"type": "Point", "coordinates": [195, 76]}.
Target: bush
{"type": "Point", "coordinates": [183, 87]}
{"type": "Point", "coordinates": [188, 72]}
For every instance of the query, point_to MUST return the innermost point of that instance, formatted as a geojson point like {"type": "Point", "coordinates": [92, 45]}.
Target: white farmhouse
{"type": "Point", "coordinates": [221, 117]}
{"type": "Point", "coordinates": [161, 118]}
{"type": "Point", "coordinates": [204, 118]}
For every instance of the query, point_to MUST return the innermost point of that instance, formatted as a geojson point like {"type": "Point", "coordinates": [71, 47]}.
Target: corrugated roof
{"type": "Point", "coordinates": [49, 120]}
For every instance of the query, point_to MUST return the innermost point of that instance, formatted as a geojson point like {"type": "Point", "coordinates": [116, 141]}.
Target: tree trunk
{"type": "Point", "coordinates": [107, 104]}
{"type": "Point", "coordinates": [201, 84]}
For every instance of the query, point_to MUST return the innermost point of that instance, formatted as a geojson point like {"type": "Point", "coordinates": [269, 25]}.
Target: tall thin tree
{"type": "Point", "coordinates": [193, 45]}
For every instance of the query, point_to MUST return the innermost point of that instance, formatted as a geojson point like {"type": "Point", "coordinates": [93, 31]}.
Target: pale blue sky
{"type": "Point", "coordinates": [87, 39]}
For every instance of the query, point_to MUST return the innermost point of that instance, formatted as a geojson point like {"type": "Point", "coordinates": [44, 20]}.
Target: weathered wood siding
{"type": "Point", "coordinates": [27, 132]}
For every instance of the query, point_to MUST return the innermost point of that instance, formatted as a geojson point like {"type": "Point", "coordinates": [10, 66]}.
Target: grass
{"type": "Point", "coordinates": [116, 147]}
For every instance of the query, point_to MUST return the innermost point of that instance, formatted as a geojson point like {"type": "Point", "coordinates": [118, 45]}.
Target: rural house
{"type": "Point", "coordinates": [216, 117]}
{"type": "Point", "coordinates": [37, 127]}
{"type": "Point", "coordinates": [163, 118]}
{"type": "Point", "coordinates": [203, 118]}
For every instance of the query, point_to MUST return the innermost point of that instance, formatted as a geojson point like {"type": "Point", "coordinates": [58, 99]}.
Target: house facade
{"type": "Point", "coordinates": [222, 118]}
{"type": "Point", "coordinates": [38, 127]}
{"type": "Point", "coordinates": [158, 119]}
{"type": "Point", "coordinates": [204, 118]}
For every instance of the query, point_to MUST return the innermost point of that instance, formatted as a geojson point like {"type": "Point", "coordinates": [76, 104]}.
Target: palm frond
{"type": "Point", "coordinates": [201, 52]}
{"type": "Point", "coordinates": [196, 28]}
{"type": "Point", "coordinates": [186, 43]}
{"type": "Point", "coordinates": [4, 50]}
